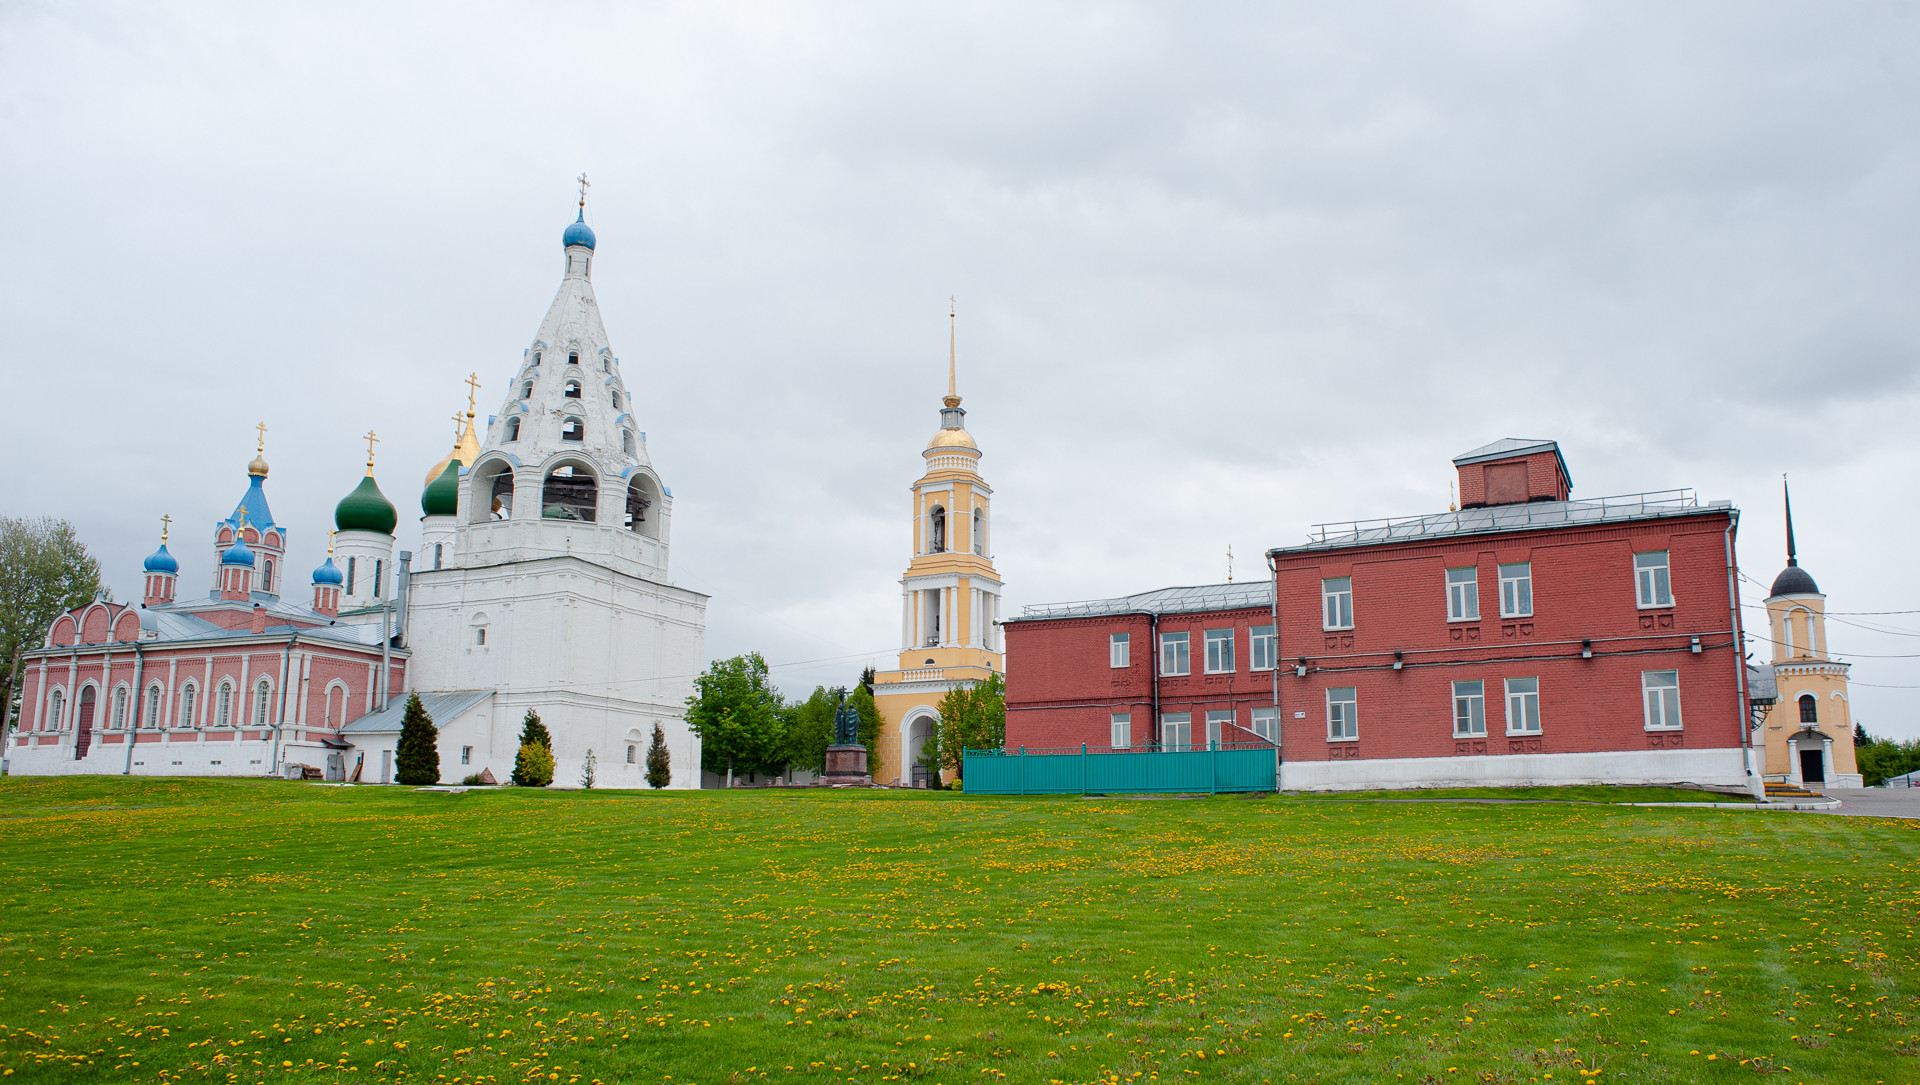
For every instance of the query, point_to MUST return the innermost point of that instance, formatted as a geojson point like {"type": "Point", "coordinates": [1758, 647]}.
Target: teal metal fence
{"type": "Point", "coordinates": [1137, 771]}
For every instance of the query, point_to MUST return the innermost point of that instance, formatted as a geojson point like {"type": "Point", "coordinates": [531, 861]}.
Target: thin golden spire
{"type": "Point", "coordinates": [165, 523]}
{"type": "Point", "coordinates": [473, 389]}
{"type": "Point", "coordinates": [953, 392]}
{"type": "Point", "coordinates": [370, 442]}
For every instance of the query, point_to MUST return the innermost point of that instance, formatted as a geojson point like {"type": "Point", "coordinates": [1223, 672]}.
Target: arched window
{"type": "Point", "coordinates": [626, 441]}
{"type": "Point", "coordinates": [615, 393]}
{"type": "Point", "coordinates": [979, 525]}
{"type": "Point", "coordinates": [573, 357]}
{"type": "Point", "coordinates": [261, 694]}
{"type": "Point", "coordinates": [54, 710]}
{"type": "Point", "coordinates": [937, 531]}
{"type": "Point", "coordinates": [606, 363]}
{"type": "Point", "coordinates": [223, 708]}
{"type": "Point", "coordinates": [492, 492]}
{"type": "Point", "coordinates": [573, 430]}
{"type": "Point", "coordinates": [643, 494]}
{"type": "Point", "coordinates": [536, 357]}
{"type": "Point", "coordinates": [513, 428]}
{"type": "Point", "coordinates": [153, 705]}
{"type": "Point", "coordinates": [571, 493]}
{"type": "Point", "coordinates": [571, 390]}
{"type": "Point", "coordinates": [120, 708]}
{"type": "Point", "coordinates": [188, 696]}
{"type": "Point", "coordinates": [526, 390]}
{"type": "Point", "coordinates": [266, 579]}
{"type": "Point", "coordinates": [1809, 709]}
{"type": "Point", "coordinates": [437, 549]}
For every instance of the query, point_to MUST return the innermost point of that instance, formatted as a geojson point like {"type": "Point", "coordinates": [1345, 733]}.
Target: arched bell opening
{"type": "Point", "coordinates": [572, 492]}
{"type": "Point", "coordinates": [492, 491]}
{"type": "Point", "coordinates": [643, 507]}
{"type": "Point", "coordinates": [937, 530]}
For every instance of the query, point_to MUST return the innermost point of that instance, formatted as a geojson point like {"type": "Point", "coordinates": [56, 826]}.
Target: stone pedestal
{"type": "Point", "coordinates": [846, 765]}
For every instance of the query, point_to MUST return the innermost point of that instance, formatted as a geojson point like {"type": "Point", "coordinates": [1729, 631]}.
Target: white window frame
{"type": "Point", "coordinates": [1119, 650]}
{"type": "Point", "coordinates": [119, 708]}
{"type": "Point", "coordinates": [1653, 583]}
{"type": "Point", "coordinates": [1262, 644]}
{"type": "Point", "coordinates": [1516, 580]}
{"type": "Point", "coordinates": [1219, 724]}
{"type": "Point", "coordinates": [1343, 714]}
{"type": "Point", "coordinates": [1336, 602]}
{"type": "Point", "coordinates": [155, 695]}
{"type": "Point", "coordinates": [1219, 643]}
{"type": "Point", "coordinates": [466, 755]}
{"type": "Point", "coordinates": [1176, 648]}
{"type": "Point", "coordinates": [189, 703]}
{"type": "Point", "coordinates": [1660, 693]}
{"type": "Point", "coordinates": [56, 707]}
{"type": "Point", "coordinates": [1523, 705]}
{"type": "Point", "coordinates": [1470, 709]}
{"type": "Point", "coordinates": [262, 694]}
{"type": "Point", "coordinates": [1463, 594]}
{"type": "Point", "coordinates": [1176, 731]}
{"type": "Point", "coordinates": [1266, 723]}
{"type": "Point", "coordinates": [223, 708]}
{"type": "Point", "coordinates": [1120, 735]}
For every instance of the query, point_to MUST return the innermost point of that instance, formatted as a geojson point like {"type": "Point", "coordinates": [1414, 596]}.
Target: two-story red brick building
{"type": "Point", "coordinates": [1525, 638]}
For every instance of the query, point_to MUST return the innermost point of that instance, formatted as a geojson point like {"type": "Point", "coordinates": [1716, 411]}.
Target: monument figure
{"type": "Point", "coordinates": [846, 758]}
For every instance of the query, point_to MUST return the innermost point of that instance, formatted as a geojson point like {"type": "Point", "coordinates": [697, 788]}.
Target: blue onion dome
{"type": "Point", "coordinates": [239, 553]}
{"type": "Point", "coordinates": [162, 562]}
{"type": "Point", "coordinates": [328, 574]}
{"type": "Point", "coordinates": [578, 233]}
{"type": "Point", "coordinates": [366, 509]}
{"type": "Point", "coordinates": [442, 495]}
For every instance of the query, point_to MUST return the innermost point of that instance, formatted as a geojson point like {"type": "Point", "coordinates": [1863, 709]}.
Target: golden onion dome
{"type": "Point", "coordinates": [953, 438]}
{"type": "Point", "coordinates": [258, 468]}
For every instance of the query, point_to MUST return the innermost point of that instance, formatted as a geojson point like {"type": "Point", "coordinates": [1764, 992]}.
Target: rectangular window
{"type": "Point", "coordinates": [1262, 646]}
{"type": "Point", "coordinates": [1219, 726]}
{"type": "Point", "coordinates": [1343, 716]}
{"type": "Point", "coordinates": [379, 579]}
{"type": "Point", "coordinates": [1662, 690]}
{"type": "Point", "coordinates": [1122, 730]}
{"type": "Point", "coordinates": [1516, 590]}
{"type": "Point", "coordinates": [1219, 651]}
{"type": "Point", "coordinates": [1176, 730]}
{"type": "Point", "coordinates": [1119, 649]}
{"type": "Point", "coordinates": [1523, 706]}
{"type": "Point", "coordinates": [1469, 709]}
{"type": "Point", "coordinates": [1175, 657]}
{"type": "Point", "coordinates": [1653, 584]}
{"type": "Point", "coordinates": [466, 755]}
{"type": "Point", "coordinates": [1266, 723]}
{"type": "Point", "coordinates": [351, 563]}
{"type": "Point", "coordinates": [1463, 595]}
{"type": "Point", "coordinates": [480, 635]}
{"type": "Point", "coordinates": [629, 753]}
{"type": "Point", "coordinates": [1336, 596]}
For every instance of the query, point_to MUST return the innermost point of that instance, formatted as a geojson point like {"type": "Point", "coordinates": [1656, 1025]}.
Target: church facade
{"type": "Point", "coordinates": [541, 585]}
{"type": "Point", "coordinates": [950, 635]}
{"type": "Point", "coordinates": [1806, 731]}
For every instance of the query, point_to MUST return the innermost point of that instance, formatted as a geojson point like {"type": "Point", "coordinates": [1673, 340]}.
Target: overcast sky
{"type": "Point", "coordinates": [1223, 272]}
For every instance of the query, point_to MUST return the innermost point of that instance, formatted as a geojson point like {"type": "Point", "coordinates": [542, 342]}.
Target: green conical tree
{"type": "Point", "coordinates": [418, 762]}
{"type": "Point", "coordinates": [533, 765]}
{"type": "Point", "coordinates": [659, 768]}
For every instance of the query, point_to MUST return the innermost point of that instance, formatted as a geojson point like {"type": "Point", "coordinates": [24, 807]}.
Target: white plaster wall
{"type": "Point", "coordinates": [1718, 767]}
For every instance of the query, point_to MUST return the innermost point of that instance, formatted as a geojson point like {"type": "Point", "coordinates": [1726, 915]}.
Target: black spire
{"type": "Point", "coordinates": [1788, 497]}
{"type": "Point", "coordinates": [1792, 580]}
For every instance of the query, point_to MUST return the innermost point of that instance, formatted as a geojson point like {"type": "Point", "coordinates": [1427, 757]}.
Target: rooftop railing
{"type": "Point", "coordinates": [1506, 517]}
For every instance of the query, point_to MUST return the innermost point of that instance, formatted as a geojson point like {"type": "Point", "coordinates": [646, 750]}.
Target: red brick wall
{"type": "Point", "coordinates": [1544, 481]}
{"type": "Point", "coordinates": [1583, 588]}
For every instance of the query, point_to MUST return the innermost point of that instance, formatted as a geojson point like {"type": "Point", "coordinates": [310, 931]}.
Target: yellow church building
{"type": "Point", "coordinates": [949, 597]}
{"type": "Point", "coordinates": [1807, 732]}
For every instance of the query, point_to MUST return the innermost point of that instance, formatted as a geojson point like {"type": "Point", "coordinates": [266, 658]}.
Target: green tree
{"type": "Point", "coordinates": [44, 571]}
{"type": "Point", "coordinates": [533, 765]}
{"type": "Point", "coordinates": [586, 769]}
{"type": "Point", "coordinates": [736, 712]}
{"type": "Point", "coordinates": [418, 761]}
{"type": "Point", "coordinates": [810, 730]}
{"type": "Point", "coordinates": [971, 718]}
{"type": "Point", "coordinates": [1882, 759]}
{"type": "Point", "coordinates": [659, 762]}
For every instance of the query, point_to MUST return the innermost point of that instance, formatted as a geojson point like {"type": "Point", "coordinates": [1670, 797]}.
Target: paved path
{"type": "Point", "coordinates": [1877, 802]}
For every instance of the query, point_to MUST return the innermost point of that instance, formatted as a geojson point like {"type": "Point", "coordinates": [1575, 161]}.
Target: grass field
{"type": "Point", "coordinates": [257, 931]}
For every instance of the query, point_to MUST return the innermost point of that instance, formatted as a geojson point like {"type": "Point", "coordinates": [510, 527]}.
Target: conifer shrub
{"type": "Point", "coordinates": [533, 765]}
{"type": "Point", "coordinates": [417, 763]}
{"type": "Point", "coordinates": [586, 769]}
{"type": "Point", "coordinates": [659, 763]}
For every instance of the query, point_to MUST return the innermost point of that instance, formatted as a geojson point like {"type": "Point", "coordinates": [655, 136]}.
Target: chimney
{"type": "Point", "coordinates": [259, 618]}
{"type": "Point", "coordinates": [1513, 471]}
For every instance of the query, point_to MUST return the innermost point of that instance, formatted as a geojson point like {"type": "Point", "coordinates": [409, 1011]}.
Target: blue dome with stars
{"type": "Point", "coordinates": [578, 233]}
{"type": "Point", "coordinates": [328, 574]}
{"type": "Point", "coordinates": [162, 562]}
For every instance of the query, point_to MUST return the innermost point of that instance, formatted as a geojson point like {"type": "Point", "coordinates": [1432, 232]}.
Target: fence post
{"type": "Point", "coordinates": [1083, 768]}
{"type": "Point", "coordinates": [1213, 768]}
{"type": "Point", "coordinates": [1020, 770]}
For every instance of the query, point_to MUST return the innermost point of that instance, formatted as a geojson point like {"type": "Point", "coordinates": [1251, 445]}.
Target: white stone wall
{"type": "Point", "coordinates": [1720, 768]}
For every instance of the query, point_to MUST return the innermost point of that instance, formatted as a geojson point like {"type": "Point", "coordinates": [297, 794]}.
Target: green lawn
{"type": "Point", "coordinates": [256, 931]}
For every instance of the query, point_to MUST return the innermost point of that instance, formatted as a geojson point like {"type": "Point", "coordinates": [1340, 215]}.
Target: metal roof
{"type": "Point", "coordinates": [1187, 600]}
{"type": "Point", "coordinates": [442, 709]}
{"type": "Point", "coordinates": [1500, 519]}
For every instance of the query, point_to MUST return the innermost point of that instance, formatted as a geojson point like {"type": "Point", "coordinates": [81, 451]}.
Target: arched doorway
{"type": "Point", "coordinates": [919, 737]}
{"type": "Point", "coordinates": [83, 725]}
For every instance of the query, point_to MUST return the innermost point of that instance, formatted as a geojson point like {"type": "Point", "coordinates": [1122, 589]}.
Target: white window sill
{"type": "Point", "coordinates": [1462, 737]}
{"type": "Point", "coordinates": [1336, 629]}
{"type": "Point", "coordinates": [1531, 734]}
{"type": "Point", "coordinates": [1219, 672]}
{"type": "Point", "coordinates": [1175, 674]}
{"type": "Point", "coordinates": [1349, 738]}
{"type": "Point", "coordinates": [1528, 614]}
{"type": "Point", "coordinates": [1653, 606]}
{"type": "Point", "coordinates": [1663, 727]}
{"type": "Point", "coordinates": [1463, 621]}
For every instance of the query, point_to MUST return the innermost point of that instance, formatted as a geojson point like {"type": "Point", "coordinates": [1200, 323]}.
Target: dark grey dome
{"type": "Point", "coordinates": [1793, 580]}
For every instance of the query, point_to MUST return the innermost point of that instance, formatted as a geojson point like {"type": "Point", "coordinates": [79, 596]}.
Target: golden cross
{"type": "Point", "coordinates": [583, 189]}
{"type": "Point", "coordinates": [457, 422]}
{"type": "Point", "coordinates": [262, 446]}
{"type": "Point", "coordinates": [165, 523]}
{"type": "Point", "coordinates": [370, 441]}
{"type": "Point", "coordinates": [330, 536]}
{"type": "Point", "coordinates": [473, 388]}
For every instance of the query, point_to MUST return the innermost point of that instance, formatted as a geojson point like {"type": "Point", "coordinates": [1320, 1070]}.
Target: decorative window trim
{"type": "Point", "coordinates": [1470, 708]}
{"type": "Point", "coordinates": [1263, 642]}
{"type": "Point", "coordinates": [1516, 574]}
{"type": "Point", "coordinates": [1527, 701]}
{"type": "Point", "coordinates": [1176, 649]}
{"type": "Point", "coordinates": [1463, 593]}
{"type": "Point", "coordinates": [1651, 581]}
{"type": "Point", "coordinates": [1336, 602]}
{"type": "Point", "coordinates": [1347, 717]}
{"type": "Point", "coordinates": [1119, 651]}
{"type": "Point", "coordinates": [1219, 651]}
{"type": "Point", "coordinates": [1120, 730]}
{"type": "Point", "coordinates": [1655, 682]}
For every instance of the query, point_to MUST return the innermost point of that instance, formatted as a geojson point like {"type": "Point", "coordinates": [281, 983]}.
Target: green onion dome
{"type": "Point", "coordinates": [442, 495]}
{"type": "Point", "coordinates": [366, 509]}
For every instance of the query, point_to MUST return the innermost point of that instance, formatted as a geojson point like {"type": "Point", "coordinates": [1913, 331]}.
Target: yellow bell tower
{"type": "Point", "coordinates": [1808, 731]}
{"type": "Point", "coordinates": [949, 597]}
